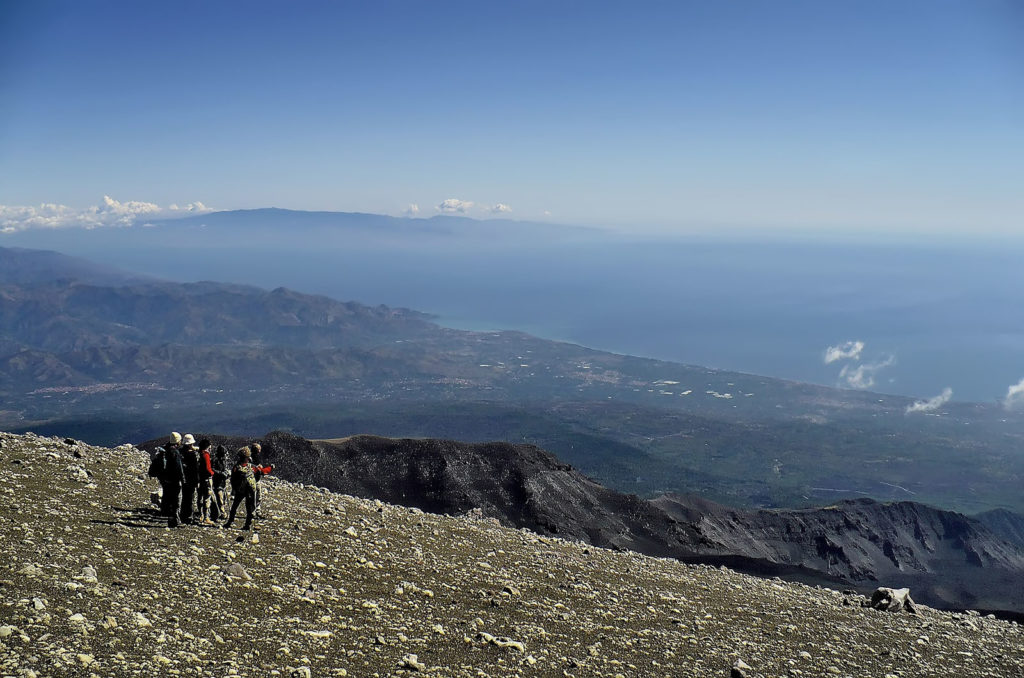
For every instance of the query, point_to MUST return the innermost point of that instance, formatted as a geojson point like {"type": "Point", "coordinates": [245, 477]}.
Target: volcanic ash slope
{"type": "Point", "coordinates": [92, 583]}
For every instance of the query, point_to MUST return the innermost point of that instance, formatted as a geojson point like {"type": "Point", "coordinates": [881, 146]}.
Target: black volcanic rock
{"type": "Point", "coordinates": [948, 558]}
{"type": "Point", "coordinates": [854, 539]}
{"type": "Point", "coordinates": [520, 485]}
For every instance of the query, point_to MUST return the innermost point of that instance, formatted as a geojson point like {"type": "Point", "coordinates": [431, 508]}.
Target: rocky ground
{"type": "Point", "coordinates": [93, 583]}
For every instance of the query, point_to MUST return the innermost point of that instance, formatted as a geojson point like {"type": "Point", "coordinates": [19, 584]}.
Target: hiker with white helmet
{"type": "Point", "coordinates": [169, 472]}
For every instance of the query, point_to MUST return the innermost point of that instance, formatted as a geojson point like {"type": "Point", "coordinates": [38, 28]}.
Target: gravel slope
{"type": "Point", "coordinates": [92, 583]}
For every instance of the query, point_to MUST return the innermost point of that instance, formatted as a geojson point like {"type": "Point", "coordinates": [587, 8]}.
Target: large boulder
{"type": "Point", "coordinates": [891, 600]}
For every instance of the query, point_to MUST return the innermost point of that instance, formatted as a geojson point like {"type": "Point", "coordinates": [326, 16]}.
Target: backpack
{"type": "Point", "coordinates": [156, 463]}
{"type": "Point", "coordinates": [190, 466]}
{"type": "Point", "coordinates": [171, 461]}
{"type": "Point", "coordinates": [242, 478]}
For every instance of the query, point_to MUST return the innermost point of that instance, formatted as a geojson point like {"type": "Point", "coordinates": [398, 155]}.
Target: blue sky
{"type": "Point", "coordinates": [828, 116]}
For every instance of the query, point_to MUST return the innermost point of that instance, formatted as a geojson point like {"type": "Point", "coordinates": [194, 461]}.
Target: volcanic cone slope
{"type": "Point", "coordinates": [92, 583]}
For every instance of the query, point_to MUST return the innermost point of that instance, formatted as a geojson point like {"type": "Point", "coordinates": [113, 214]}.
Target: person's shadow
{"type": "Point", "coordinates": [139, 516]}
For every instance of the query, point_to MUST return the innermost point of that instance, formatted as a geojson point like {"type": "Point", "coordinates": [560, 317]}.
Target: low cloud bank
{"type": "Point", "coordinates": [110, 213]}
{"type": "Point", "coordinates": [932, 404]}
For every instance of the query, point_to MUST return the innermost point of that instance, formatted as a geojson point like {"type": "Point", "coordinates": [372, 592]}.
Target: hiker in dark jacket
{"type": "Point", "coordinates": [243, 487]}
{"type": "Point", "coordinates": [205, 496]}
{"type": "Point", "coordinates": [170, 480]}
{"type": "Point", "coordinates": [190, 478]}
{"type": "Point", "coordinates": [218, 509]}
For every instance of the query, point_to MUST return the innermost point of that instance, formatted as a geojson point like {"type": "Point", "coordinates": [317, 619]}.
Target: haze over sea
{"type": "Point", "coordinates": [930, 316]}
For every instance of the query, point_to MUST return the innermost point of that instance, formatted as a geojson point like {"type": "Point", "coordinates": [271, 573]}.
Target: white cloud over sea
{"type": "Point", "coordinates": [862, 376]}
{"type": "Point", "coordinates": [1014, 396]}
{"type": "Point", "coordinates": [856, 374]}
{"type": "Point", "coordinates": [110, 212]}
{"type": "Point", "coordinates": [931, 404]}
{"type": "Point", "coordinates": [849, 350]}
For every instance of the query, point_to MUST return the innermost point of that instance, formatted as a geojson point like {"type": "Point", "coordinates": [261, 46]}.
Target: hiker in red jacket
{"type": "Point", "coordinates": [257, 450]}
{"type": "Point", "coordinates": [205, 487]}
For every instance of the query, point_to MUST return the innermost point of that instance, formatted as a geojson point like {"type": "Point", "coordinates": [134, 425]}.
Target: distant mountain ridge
{"type": "Point", "coordinates": [65, 315]}
{"type": "Point", "coordinates": [19, 266]}
{"type": "Point", "coordinates": [949, 559]}
{"type": "Point", "coordinates": [365, 222]}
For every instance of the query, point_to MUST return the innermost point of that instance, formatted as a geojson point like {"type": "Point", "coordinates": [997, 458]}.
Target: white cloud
{"type": "Point", "coordinates": [412, 210]}
{"type": "Point", "coordinates": [193, 207]}
{"type": "Point", "coordinates": [501, 207]}
{"type": "Point", "coordinates": [932, 403]}
{"type": "Point", "coordinates": [849, 350]}
{"type": "Point", "coordinates": [454, 205]}
{"type": "Point", "coordinates": [1014, 396]}
{"type": "Point", "coordinates": [124, 213]}
{"type": "Point", "coordinates": [863, 376]}
{"type": "Point", "coordinates": [110, 213]}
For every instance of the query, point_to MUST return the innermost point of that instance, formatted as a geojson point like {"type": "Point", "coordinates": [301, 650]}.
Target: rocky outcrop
{"type": "Point", "coordinates": [93, 583]}
{"type": "Point", "coordinates": [891, 600]}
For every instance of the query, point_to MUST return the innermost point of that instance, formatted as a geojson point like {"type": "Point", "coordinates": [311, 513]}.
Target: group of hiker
{"type": "Point", "coordinates": [194, 482]}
